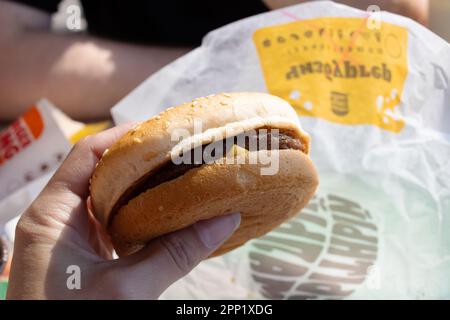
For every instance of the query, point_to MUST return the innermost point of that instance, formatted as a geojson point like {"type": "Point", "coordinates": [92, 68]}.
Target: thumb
{"type": "Point", "coordinates": [172, 256]}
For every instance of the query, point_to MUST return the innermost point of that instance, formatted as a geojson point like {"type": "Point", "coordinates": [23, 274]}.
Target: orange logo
{"type": "Point", "coordinates": [20, 134]}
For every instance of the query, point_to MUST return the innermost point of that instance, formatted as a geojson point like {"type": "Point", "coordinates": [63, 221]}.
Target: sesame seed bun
{"type": "Point", "coordinates": [208, 190]}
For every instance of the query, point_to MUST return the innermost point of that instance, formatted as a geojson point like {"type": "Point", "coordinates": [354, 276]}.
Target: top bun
{"type": "Point", "coordinates": [149, 145]}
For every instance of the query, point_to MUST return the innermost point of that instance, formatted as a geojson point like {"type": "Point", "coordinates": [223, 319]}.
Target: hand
{"type": "Point", "coordinates": [58, 231]}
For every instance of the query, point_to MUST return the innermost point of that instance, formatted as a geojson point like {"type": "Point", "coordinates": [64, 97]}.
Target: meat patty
{"type": "Point", "coordinates": [252, 140]}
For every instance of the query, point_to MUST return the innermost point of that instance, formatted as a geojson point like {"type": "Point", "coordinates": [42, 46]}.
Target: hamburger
{"type": "Point", "coordinates": [141, 189]}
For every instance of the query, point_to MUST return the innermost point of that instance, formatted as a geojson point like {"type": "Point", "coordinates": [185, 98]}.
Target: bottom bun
{"type": "Point", "coordinates": [264, 201]}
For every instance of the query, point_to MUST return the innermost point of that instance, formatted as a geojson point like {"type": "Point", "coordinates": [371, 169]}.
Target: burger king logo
{"type": "Point", "coordinates": [326, 252]}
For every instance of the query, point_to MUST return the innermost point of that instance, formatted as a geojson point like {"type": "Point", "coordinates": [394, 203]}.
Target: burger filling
{"type": "Point", "coordinates": [281, 139]}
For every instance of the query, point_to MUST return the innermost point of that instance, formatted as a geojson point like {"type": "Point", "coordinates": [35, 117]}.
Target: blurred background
{"type": "Point", "coordinates": [438, 22]}
{"type": "Point", "coordinates": [49, 48]}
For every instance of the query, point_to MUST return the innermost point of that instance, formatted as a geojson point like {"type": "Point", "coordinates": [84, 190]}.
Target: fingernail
{"type": "Point", "coordinates": [214, 231]}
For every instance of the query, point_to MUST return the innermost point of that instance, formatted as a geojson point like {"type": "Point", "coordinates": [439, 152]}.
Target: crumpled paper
{"type": "Point", "coordinates": [38, 135]}
{"type": "Point", "coordinates": [373, 92]}
{"type": "Point", "coordinates": [31, 149]}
